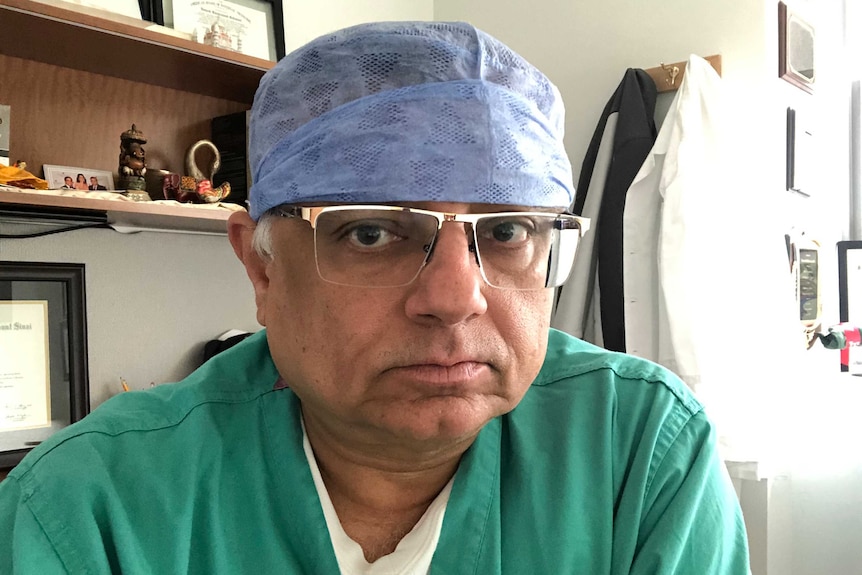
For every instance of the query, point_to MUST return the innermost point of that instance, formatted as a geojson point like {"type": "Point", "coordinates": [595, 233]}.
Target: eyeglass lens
{"type": "Point", "coordinates": [387, 248]}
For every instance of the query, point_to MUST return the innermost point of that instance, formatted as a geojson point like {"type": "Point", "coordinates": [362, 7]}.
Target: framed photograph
{"type": "Point", "coordinates": [44, 382]}
{"type": "Point", "coordinates": [795, 49]}
{"type": "Point", "coordinates": [801, 154]}
{"type": "Point", "coordinates": [72, 178]}
{"type": "Point", "coordinates": [251, 27]}
{"type": "Point", "coordinates": [850, 299]}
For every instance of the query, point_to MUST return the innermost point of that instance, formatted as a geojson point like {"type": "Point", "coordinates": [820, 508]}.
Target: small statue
{"type": "Point", "coordinates": [133, 164]}
{"type": "Point", "coordinates": [216, 35]}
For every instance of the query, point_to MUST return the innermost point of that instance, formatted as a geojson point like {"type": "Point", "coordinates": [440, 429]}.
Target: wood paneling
{"type": "Point", "coordinates": [75, 37]}
{"type": "Point", "coordinates": [74, 118]}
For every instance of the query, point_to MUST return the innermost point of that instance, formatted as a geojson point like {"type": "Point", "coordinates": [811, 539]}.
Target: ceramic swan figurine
{"type": "Point", "coordinates": [203, 188]}
{"type": "Point", "coordinates": [191, 161]}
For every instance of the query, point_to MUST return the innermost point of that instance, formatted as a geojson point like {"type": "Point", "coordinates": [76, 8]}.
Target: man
{"type": "Point", "coordinates": [95, 185]}
{"type": "Point", "coordinates": [68, 183]}
{"type": "Point", "coordinates": [406, 409]}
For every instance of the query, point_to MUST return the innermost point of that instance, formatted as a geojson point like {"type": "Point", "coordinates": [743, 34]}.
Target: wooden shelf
{"type": "Point", "coordinates": [125, 48]}
{"type": "Point", "coordinates": [138, 215]}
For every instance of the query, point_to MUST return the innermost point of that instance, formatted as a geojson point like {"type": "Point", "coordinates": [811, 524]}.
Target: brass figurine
{"type": "Point", "coordinates": [133, 164]}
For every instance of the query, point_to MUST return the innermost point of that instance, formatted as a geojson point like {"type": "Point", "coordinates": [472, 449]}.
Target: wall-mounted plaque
{"type": "Point", "coordinates": [43, 354]}
{"type": "Point", "coordinates": [251, 27]}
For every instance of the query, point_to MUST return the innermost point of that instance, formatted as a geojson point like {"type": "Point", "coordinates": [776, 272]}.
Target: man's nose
{"type": "Point", "coordinates": [450, 288]}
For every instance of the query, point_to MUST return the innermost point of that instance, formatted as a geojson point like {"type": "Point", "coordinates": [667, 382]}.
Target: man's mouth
{"type": "Point", "coordinates": [438, 374]}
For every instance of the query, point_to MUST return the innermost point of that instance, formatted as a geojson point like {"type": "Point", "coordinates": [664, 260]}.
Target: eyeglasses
{"type": "Point", "coordinates": [387, 246]}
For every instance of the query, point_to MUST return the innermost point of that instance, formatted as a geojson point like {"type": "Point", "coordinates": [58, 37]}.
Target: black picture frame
{"type": "Point", "coordinates": [849, 306]}
{"type": "Point", "coordinates": [791, 151]}
{"type": "Point", "coordinates": [62, 286]}
{"type": "Point", "coordinates": [153, 11]}
{"type": "Point", "coordinates": [800, 154]}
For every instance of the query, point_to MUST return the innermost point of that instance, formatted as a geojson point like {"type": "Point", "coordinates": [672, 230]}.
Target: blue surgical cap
{"type": "Point", "coordinates": [407, 112]}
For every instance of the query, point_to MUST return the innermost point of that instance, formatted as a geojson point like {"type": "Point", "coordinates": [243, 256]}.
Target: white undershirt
{"type": "Point", "coordinates": [413, 554]}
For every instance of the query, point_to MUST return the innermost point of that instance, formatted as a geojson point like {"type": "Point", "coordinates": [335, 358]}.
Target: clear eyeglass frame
{"type": "Point", "coordinates": [567, 230]}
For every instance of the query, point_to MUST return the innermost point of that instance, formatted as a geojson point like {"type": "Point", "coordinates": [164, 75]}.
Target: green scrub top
{"type": "Point", "coordinates": [608, 465]}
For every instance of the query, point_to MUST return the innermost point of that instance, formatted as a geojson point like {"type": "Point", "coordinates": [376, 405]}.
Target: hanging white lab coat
{"type": "Point", "coordinates": [667, 235]}
{"type": "Point", "coordinates": [707, 292]}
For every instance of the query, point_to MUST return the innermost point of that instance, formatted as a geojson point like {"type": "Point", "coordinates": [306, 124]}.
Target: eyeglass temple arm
{"type": "Point", "coordinates": [573, 223]}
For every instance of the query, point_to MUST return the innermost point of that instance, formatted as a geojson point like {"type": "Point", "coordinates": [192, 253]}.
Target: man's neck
{"type": "Point", "coordinates": [379, 499]}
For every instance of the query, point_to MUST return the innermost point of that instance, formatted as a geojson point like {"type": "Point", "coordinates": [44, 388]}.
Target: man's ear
{"type": "Point", "coordinates": [240, 231]}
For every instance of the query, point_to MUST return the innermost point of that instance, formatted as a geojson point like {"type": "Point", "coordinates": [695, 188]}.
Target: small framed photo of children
{"type": "Point", "coordinates": [72, 178]}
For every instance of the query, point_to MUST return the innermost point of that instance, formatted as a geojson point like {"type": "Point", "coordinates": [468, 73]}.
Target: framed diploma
{"type": "Point", "coordinates": [43, 354]}
{"type": "Point", "coordinates": [251, 27]}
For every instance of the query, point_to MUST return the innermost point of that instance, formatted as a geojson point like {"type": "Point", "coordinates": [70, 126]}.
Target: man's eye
{"type": "Point", "coordinates": [367, 235]}
{"type": "Point", "coordinates": [510, 232]}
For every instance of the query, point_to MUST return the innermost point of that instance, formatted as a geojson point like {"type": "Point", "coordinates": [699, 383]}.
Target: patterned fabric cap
{"type": "Point", "coordinates": [407, 111]}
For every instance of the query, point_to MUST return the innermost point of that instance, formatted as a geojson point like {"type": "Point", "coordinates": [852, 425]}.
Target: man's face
{"type": "Point", "coordinates": [68, 180]}
{"type": "Point", "coordinates": [93, 181]}
{"type": "Point", "coordinates": [425, 364]}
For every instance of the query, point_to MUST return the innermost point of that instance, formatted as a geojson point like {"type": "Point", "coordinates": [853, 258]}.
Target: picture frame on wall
{"type": "Point", "coordinates": [251, 27]}
{"type": "Point", "coordinates": [796, 63]}
{"type": "Point", "coordinates": [800, 154]}
{"type": "Point", "coordinates": [850, 299]}
{"type": "Point", "coordinates": [44, 383]}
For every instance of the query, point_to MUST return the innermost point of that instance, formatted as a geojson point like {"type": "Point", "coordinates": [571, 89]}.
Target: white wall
{"type": "Point", "coordinates": [153, 299]}
{"type": "Point", "coordinates": [824, 496]}
{"type": "Point", "coordinates": [305, 21]}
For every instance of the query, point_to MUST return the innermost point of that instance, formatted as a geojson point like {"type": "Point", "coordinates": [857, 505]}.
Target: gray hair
{"type": "Point", "coordinates": [262, 240]}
